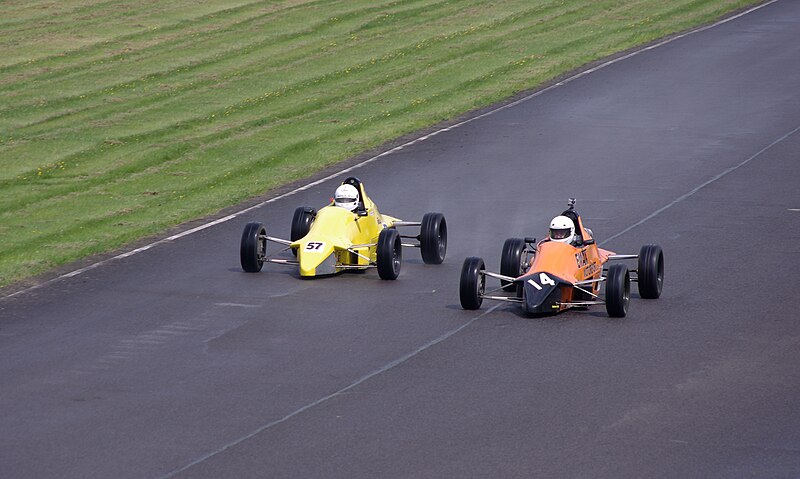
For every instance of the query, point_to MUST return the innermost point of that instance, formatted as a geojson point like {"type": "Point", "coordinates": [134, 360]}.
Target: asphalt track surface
{"type": "Point", "coordinates": [175, 363]}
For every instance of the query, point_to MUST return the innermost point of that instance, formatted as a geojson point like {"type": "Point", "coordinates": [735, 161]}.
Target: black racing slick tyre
{"type": "Point", "coordinates": [618, 290]}
{"type": "Point", "coordinates": [472, 284]}
{"type": "Point", "coordinates": [511, 261]}
{"type": "Point", "coordinates": [253, 248]}
{"type": "Point", "coordinates": [389, 254]}
{"type": "Point", "coordinates": [301, 223]}
{"type": "Point", "coordinates": [433, 238]}
{"type": "Point", "coordinates": [651, 271]}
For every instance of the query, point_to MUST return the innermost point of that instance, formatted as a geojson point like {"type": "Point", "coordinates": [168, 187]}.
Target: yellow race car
{"type": "Point", "coordinates": [347, 235]}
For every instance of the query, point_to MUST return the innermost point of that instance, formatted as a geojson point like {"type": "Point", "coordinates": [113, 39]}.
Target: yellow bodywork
{"type": "Point", "coordinates": [335, 231]}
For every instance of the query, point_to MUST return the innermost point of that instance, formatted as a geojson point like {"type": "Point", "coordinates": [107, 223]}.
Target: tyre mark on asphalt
{"type": "Point", "coordinates": [127, 349]}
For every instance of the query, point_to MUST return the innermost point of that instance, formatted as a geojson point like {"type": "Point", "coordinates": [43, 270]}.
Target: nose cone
{"type": "Point", "coordinates": [542, 293]}
{"type": "Point", "coordinates": [316, 258]}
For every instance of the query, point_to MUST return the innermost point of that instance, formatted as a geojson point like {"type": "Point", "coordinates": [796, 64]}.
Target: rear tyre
{"type": "Point", "coordinates": [511, 261]}
{"type": "Point", "coordinates": [651, 271]}
{"type": "Point", "coordinates": [433, 238]}
{"type": "Point", "coordinates": [618, 290]}
{"type": "Point", "coordinates": [472, 284]}
{"type": "Point", "coordinates": [301, 223]}
{"type": "Point", "coordinates": [389, 254]}
{"type": "Point", "coordinates": [253, 248]}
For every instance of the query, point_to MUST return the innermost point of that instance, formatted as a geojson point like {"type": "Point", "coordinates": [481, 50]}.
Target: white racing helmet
{"type": "Point", "coordinates": [346, 196]}
{"type": "Point", "coordinates": [562, 229]}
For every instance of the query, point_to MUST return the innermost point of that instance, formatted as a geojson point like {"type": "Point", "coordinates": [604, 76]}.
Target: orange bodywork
{"type": "Point", "coordinates": [568, 262]}
{"type": "Point", "coordinates": [571, 264]}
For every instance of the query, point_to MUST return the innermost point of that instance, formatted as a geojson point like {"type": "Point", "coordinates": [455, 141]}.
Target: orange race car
{"type": "Point", "coordinates": [563, 271]}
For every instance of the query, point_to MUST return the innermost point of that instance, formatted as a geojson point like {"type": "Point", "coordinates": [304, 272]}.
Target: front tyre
{"type": "Point", "coordinates": [511, 260]}
{"type": "Point", "coordinates": [651, 271]}
{"type": "Point", "coordinates": [253, 248]}
{"type": "Point", "coordinates": [433, 238]}
{"type": "Point", "coordinates": [618, 290]}
{"type": "Point", "coordinates": [472, 284]}
{"type": "Point", "coordinates": [389, 254]}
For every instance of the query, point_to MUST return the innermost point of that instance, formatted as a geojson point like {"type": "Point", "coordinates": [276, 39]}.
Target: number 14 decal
{"type": "Point", "coordinates": [544, 279]}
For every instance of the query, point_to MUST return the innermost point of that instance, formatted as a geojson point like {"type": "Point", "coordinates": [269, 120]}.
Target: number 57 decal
{"type": "Point", "coordinates": [314, 246]}
{"type": "Point", "coordinates": [544, 279]}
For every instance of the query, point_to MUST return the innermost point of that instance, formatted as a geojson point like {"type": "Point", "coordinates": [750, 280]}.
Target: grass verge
{"type": "Point", "coordinates": [119, 120]}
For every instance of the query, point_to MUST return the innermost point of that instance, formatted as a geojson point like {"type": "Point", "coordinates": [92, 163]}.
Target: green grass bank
{"type": "Point", "coordinates": [121, 119]}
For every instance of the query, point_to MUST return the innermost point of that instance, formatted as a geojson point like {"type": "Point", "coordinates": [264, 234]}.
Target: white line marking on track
{"type": "Point", "coordinates": [397, 148]}
{"type": "Point", "coordinates": [698, 188]}
{"type": "Point", "coordinates": [340, 392]}
{"type": "Point", "coordinates": [163, 332]}
{"type": "Point", "coordinates": [237, 305]}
